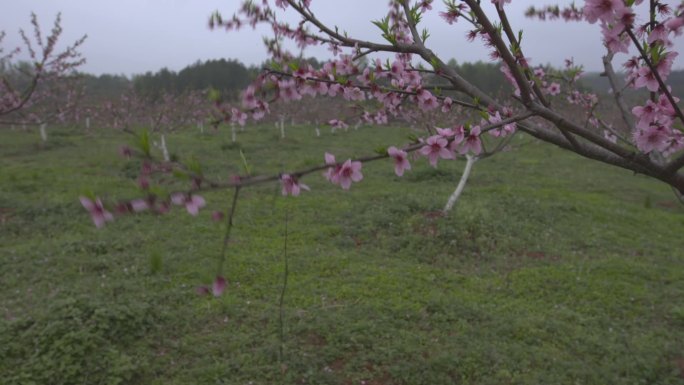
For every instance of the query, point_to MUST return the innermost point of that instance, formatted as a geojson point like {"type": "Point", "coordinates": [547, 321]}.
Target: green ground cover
{"type": "Point", "coordinates": [550, 270]}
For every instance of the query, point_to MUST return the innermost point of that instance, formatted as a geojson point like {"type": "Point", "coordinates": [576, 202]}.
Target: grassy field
{"type": "Point", "coordinates": [550, 270]}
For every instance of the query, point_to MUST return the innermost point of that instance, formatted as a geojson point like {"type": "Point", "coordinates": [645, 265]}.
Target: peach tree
{"type": "Point", "coordinates": [412, 79]}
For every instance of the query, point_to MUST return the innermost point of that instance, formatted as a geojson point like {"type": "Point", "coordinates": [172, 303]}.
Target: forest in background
{"type": "Point", "coordinates": [231, 76]}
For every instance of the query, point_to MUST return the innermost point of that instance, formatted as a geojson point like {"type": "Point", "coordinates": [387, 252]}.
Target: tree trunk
{"type": "Point", "coordinates": [282, 127]}
{"type": "Point", "coordinates": [43, 132]}
{"type": "Point", "coordinates": [165, 150]}
{"type": "Point", "coordinates": [470, 161]}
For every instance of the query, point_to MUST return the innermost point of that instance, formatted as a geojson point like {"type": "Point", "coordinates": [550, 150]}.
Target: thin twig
{"type": "Point", "coordinates": [286, 273]}
{"type": "Point", "coordinates": [654, 71]}
{"type": "Point", "coordinates": [229, 226]}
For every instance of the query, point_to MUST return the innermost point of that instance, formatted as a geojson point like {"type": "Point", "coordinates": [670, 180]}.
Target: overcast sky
{"type": "Point", "coordinates": [135, 36]}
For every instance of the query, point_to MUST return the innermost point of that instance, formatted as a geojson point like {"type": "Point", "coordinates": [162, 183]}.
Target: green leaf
{"type": "Point", "coordinates": [383, 24]}
{"type": "Point", "coordinates": [144, 143]}
{"type": "Point", "coordinates": [214, 95]}
{"type": "Point", "coordinates": [246, 166]}
{"type": "Point", "coordinates": [195, 166]}
{"type": "Point", "coordinates": [426, 34]}
{"type": "Point", "coordinates": [294, 66]}
{"type": "Point", "coordinates": [434, 62]}
{"type": "Point", "coordinates": [180, 174]}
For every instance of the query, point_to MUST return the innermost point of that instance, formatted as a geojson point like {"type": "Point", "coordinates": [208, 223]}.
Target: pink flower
{"type": "Point", "coordinates": [451, 16]}
{"type": "Point", "coordinates": [645, 78]}
{"type": "Point", "coordinates": [332, 174]}
{"type": "Point", "coordinates": [665, 105]}
{"type": "Point", "coordinates": [397, 68]}
{"type": "Point", "coordinates": [499, 3]}
{"type": "Point", "coordinates": [291, 185]}
{"type": "Point", "coordinates": [191, 202]}
{"type": "Point", "coordinates": [495, 118]}
{"type": "Point", "coordinates": [675, 24]}
{"type": "Point", "coordinates": [125, 151]}
{"type": "Point", "coordinates": [338, 124]}
{"type": "Point", "coordinates": [287, 90]}
{"type": "Point", "coordinates": [334, 89]}
{"type": "Point", "coordinates": [446, 104]}
{"type": "Point", "coordinates": [459, 135]}
{"type": "Point", "coordinates": [217, 216]}
{"type": "Point", "coordinates": [646, 114]}
{"type": "Point", "coordinates": [445, 133]}
{"type": "Point", "coordinates": [353, 93]}
{"type": "Point", "coordinates": [238, 117]}
{"type": "Point", "coordinates": [472, 142]}
{"type": "Point", "coordinates": [97, 211]}
{"type": "Point", "coordinates": [652, 138]}
{"type": "Point", "coordinates": [553, 89]}
{"type": "Point", "coordinates": [426, 101]}
{"type": "Point", "coordinates": [219, 286]}
{"type": "Point", "coordinates": [436, 148]}
{"type": "Point", "coordinates": [202, 290]}
{"type": "Point", "coordinates": [401, 162]}
{"type": "Point", "coordinates": [143, 183]}
{"type": "Point", "coordinates": [425, 5]}
{"type": "Point", "coordinates": [610, 136]}
{"type": "Point", "coordinates": [614, 39]}
{"type": "Point", "coordinates": [664, 66]}
{"type": "Point", "coordinates": [603, 10]}
{"type": "Point", "coordinates": [349, 172]}
{"type": "Point", "coordinates": [249, 99]}
{"type": "Point", "coordinates": [163, 207]}
{"type": "Point", "coordinates": [139, 205]}
{"type": "Point", "coordinates": [659, 34]}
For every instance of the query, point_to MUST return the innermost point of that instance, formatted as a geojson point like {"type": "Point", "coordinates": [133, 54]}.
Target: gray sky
{"type": "Point", "coordinates": [134, 36]}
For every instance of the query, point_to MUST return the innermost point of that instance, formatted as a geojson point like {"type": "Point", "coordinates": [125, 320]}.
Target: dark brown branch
{"type": "Point", "coordinates": [500, 46]}
{"type": "Point", "coordinates": [514, 41]}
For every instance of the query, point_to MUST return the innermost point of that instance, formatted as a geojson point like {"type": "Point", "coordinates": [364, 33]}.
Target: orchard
{"type": "Point", "coordinates": [343, 249]}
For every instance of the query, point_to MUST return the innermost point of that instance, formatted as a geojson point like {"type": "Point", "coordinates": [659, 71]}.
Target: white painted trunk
{"type": "Point", "coordinates": [233, 134]}
{"type": "Point", "coordinates": [88, 123]}
{"type": "Point", "coordinates": [165, 150]}
{"type": "Point", "coordinates": [470, 161]}
{"type": "Point", "coordinates": [318, 132]}
{"type": "Point", "coordinates": [282, 128]}
{"type": "Point", "coordinates": [43, 132]}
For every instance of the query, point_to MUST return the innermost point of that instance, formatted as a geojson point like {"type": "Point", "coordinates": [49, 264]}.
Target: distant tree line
{"type": "Point", "coordinates": [599, 84]}
{"type": "Point", "coordinates": [485, 75]}
{"type": "Point", "coordinates": [105, 86]}
{"type": "Point", "coordinates": [231, 76]}
{"type": "Point", "coordinates": [227, 76]}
